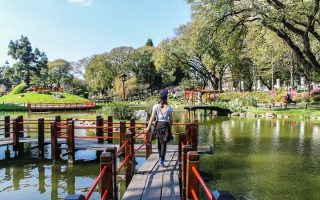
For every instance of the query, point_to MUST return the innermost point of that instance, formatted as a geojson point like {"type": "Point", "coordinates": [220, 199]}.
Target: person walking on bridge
{"type": "Point", "coordinates": [162, 113]}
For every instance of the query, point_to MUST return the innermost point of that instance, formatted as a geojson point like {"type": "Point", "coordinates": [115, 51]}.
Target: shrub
{"type": "Point", "coordinates": [47, 92]}
{"type": "Point", "coordinates": [316, 98]}
{"type": "Point", "coordinates": [19, 88]}
{"type": "Point", "coordinates": [118, 109]}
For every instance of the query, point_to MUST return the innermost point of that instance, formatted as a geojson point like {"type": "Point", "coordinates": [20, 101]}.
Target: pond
{"type": "Point", "coordinates": [253, 159]}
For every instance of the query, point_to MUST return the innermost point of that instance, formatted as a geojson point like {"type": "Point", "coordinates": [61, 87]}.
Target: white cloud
{"type": "Point", "coordinates": [82, 2]}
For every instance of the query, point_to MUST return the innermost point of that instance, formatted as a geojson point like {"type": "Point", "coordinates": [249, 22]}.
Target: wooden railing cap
{"type": "Point", "coordinates": [106, 157]}
{"type": "Point", "coordinates": [193, 156]}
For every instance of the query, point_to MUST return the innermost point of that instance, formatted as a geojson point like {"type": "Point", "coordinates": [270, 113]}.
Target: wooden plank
{"type": "Point", "coordinates": [162, 169]}
{"type": "Point", "coordinates": [176, 185]}
{"type": "Point", "coordinates": [136, 187]}
{"type": "Point", "coordinates": [149, 164]}
{"type": "Point", "coordinates": [153, 187]}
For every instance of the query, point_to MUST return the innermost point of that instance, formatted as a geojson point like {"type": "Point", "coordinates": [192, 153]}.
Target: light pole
{"type": "Point", "coordinates": [123, 79]}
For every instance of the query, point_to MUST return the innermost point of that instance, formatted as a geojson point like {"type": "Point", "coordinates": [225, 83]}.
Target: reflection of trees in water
{"type": "Point", "coordinates": [55, 181]}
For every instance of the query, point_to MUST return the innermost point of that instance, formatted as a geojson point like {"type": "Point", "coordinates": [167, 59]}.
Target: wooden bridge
{"type": "Point", "coordinates": [206, 108]}
{"type": "Point", "coordinates": [40, 107]}
{"type": "Point", "coordinates": [179, 178]}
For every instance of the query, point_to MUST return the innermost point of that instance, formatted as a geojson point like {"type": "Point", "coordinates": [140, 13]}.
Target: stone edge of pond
{"type": "Point", "coordinates": [270, 115]}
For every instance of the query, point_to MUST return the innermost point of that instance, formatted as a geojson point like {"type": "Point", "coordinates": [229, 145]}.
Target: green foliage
{"type": "Point", "coordinates": [100, 74]}
{"type": "Point", "coordinates": [59, 71]}
{"type": "Point", "coordinates": [19, 88]}
{"type": "Point", "coordinates": [316, 98]}
{"type": "Point", "coordinates": [118, 109]}
{"type": "Point", "coordinates": [47, 92]}
{"type": "Point", "coordinates": [29, 62]}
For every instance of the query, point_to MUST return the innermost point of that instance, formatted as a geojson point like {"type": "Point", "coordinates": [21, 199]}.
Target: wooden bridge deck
{"type": "Point", "coordinates": [155, 182]}
{"type": "Point", "coordinates": [92, 144]}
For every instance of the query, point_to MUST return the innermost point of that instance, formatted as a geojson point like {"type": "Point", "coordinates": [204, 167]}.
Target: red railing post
{"type": "Point", "coordinates": [133, 132]}
{"type": "Point", "coordinates": [41, 137]}
{"type": "Point", "coordinates": [148, 141]}
{"type": "Point", "coordinates": [99, 129]}
{"type": "Point", "coordinates": [122, 132]}
{"type": "Point", "coordinates": [15, 134]}
{"type": "Point", "coordinates": [185, 151]}
{"type": "Point", "coordinates": [107, 159]}
{"type": "Point", "coordinates": [54, 141]}
{"type": "Point", "coordinates": [182, 142]}
{"type": "Point", "coordinates": [20, 126]}
{"type": "Point", "coordinates": [188, 133]}
{"type": "Point", "coordinates": [129, 152]}
{"type": "Point", "coordinates": [7, 126]}
{"type": "Point", "coordinates": [113, 151]}
{"type": "Point", "coordinates": [70, 141]}
{"type": "Point", "coordinates": [110, 130]}
{"type": "Point", "coordinates": [194, 136]}
{"type": "Point", "coordinates": [192, 182]}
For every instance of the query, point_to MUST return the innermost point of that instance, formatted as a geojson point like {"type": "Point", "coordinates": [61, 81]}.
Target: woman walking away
{"type": "Point", "coordinates": [162, 113]}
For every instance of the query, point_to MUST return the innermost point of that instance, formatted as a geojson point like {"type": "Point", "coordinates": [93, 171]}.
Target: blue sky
{"type": "Point", "coordinates": [73, 29]}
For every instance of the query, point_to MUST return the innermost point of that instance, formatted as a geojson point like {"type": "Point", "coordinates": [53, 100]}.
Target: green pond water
{"type": "Point", "coordinates": [253, 159]}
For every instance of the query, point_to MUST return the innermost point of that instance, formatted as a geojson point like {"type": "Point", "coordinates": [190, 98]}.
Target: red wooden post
{"type": "Point", "coordinates": [54, 141]}
{"type": "Point", "coordinates": [182, 142]}
{"type": "Point", "coordinates": [106, 159]}
{"type": "Point", "coordinates": [148, 141]}
{"type": "Point", "coordinates": [15, 134]}
{"type": "Point", "coordinates": [194, 136]}
{"type": "Point", "coordinates": [185, 151]}
{"type": "Point", "coordinates": [20, 126]}
{"type": "Point", "coordinates": [113, 151]}
{"type": "Point", "coordinates": [188, 133]}
{"type": "Point", "coordinates": [41, 137]}
{"type": "Point", "coordinates": [133, 132]}
{"type": "Point", "coordinates": [99, 129]}
{"type": "Point", "coordinates": [192, 182]}
{"type": "Point", "coordinates": [70, 142]}
{"type": "Point", "coordinates": [7, 126]}
{"type": "Point", "coordinates": [129, 152]}
{"type": "Point", "coordinates": [110, 130]}
{"type": "Point", "coordinates": [122, 132]}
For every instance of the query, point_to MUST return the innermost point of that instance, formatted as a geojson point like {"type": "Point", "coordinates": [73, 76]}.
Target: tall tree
{"type": "Point", "coordinates": [29, 63]}
{"type": "Point", "coordinates": [59, 71]}
{"type": "Point", "coordinates": [295, 22]}
{"type": "Point", "coordinates": [149, 43]}
{"type": "Point", "coordinates": [100, 74]}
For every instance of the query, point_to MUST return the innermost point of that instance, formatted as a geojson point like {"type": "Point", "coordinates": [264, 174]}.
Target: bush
{"type": "Point", "coordinates": [119, 110]}
{"type": "Point", "coordinates": [316, 98]}
{"type": "Point", "coordinates": [19, 88]}
{"type": "Point", "coordinates": [47, 92]}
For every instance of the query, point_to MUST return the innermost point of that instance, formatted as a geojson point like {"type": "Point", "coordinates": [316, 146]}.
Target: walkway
{"type": "Point", "coordinates": [155, 182]}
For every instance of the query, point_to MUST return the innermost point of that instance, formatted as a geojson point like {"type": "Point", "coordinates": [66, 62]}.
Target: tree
{"type": "Point", "coordinates": [59, 71]}
{"type": "Point", "coordinates": [144, 69]}
{"type": "Point", "coordinates": [29, 63]}
{"type": "Point", "coordinates": [295, 22]}
{"type": "Point", "coordinates": [149, 43]}
{"type": "Point", "coordinates": [121, 58]}
{"type": "Point", "coordinates": [100, 74]}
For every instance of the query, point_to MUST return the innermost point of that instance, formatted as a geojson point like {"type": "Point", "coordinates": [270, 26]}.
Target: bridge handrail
{"type": "Point", "coordinates": [202, 183]}
{"type": "Point", "coordinates": [95, 183]}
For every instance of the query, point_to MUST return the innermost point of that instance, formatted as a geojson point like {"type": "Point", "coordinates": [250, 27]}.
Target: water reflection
{"type": "Point", "coordinates": [254, 159]}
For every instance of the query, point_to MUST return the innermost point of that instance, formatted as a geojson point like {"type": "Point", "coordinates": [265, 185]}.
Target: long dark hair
{"type": "Point", "coordinates": [163, 102]}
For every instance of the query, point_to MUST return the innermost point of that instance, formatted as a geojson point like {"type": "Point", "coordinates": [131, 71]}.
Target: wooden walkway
{"type": "Point", "coordinates": [155, 182]}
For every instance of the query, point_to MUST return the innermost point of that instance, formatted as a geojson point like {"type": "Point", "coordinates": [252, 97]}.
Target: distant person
{"type": "Point", "coordinates": [162, 113]}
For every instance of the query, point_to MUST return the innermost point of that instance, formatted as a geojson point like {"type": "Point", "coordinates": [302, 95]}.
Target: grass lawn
{"type": "Point", "coordinates": [34, 97]}
{"type": "Point", "coordinates": [290, 111]}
